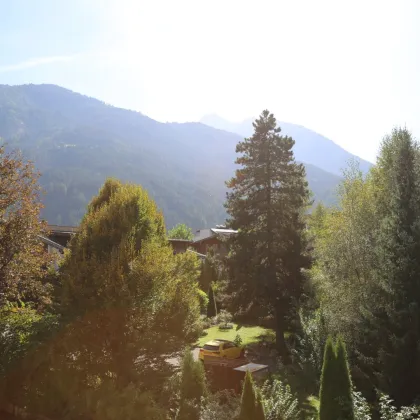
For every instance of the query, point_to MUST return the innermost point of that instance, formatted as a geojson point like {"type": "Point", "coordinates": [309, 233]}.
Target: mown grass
{"type": "Point", "coordinates": [248, 334]}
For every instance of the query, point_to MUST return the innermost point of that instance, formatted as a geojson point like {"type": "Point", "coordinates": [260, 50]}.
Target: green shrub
{"type": "Point", "coordinates": [279, 402]}
{"type": "Point", "coordinates": [224, 317]}
{"type": "Point", "coordinates": [238, 340]}
{"type": "Point", "coordinates": [223, 405]}
{"type": "Point", "coordinates": [308, 352]}
{"type": "Point", "coordinates": [227, 326]}
{"type": "Point", "coordinates": [389, 412]}
{"type": "Point", "coordinates": [193, 380]}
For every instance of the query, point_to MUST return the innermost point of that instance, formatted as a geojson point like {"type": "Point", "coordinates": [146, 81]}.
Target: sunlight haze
{"type": "Point", "coordinates": [346, 70]}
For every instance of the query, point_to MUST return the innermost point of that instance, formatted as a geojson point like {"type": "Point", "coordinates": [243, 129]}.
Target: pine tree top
{"type": "Point", "coordinates": [336, 401]}
{"type": "Point", "coordinates": [248, 399]}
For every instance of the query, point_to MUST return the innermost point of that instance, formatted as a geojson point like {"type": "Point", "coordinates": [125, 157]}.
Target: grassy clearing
{"type": "Point", "coordinates": [249, 334]}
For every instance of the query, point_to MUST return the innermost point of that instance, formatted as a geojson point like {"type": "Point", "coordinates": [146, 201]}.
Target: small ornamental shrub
{"type": "Point", "coordinates": [225, 326]}
{"type": "Point", "coordinates": [238, 340]}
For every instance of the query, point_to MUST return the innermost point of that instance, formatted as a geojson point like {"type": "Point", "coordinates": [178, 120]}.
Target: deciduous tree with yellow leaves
{"type": "Point", "coordinates": [22, 256]}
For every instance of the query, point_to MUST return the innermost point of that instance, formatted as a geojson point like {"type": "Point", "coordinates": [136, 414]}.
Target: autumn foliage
{"type": "Point", "coordinates": [22, 255]}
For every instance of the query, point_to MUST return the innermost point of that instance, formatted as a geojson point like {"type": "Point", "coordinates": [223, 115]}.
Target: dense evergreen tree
{"type": "Point", "coordinates": [367, 268]}
{"type": "Point", "coordinates": [212, 306]}
{"type": "Point", "coordinates": [193, 387]}
{"type": "Point", "coordinates": [343, 385]}
{"type": "Point", "coordinates": [248, 399]}
{"type": "Point", "coordinates": [259, 409]}
{"type": "Point", "coordinates": [336, 401]}
{"type": "Point", "coordinates": [266, 204]}
{"type": "Point", "coordinates": [193, 381]}
{"type": "Point", "coordinates": [392, 328]}
{"type": "Point", "coordinates": [328, 406]}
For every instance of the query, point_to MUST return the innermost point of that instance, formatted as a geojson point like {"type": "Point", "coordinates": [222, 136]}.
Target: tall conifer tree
{"type": "Point", "coordinates": [193, 387]}
{"type": "Point", "coordinates": [327, 404]}
{"type": "Point", "coordinates": [343, 385]}
{"type": "Point", "coordinates": [248, 399]}
{"type": "Point", "coordinates": [392, 322]}
{"type": "Point", "coordinates": [211, 306]}
{"type": "Point", "coordinates": [336, 402]}
{"type": "Point", "coordinates": [266, 203]}
{"type": "Point", "coordinates": [259, 409]}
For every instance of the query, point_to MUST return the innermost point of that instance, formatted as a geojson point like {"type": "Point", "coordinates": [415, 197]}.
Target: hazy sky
{"type": "Point", "coordinates": [347, 69]}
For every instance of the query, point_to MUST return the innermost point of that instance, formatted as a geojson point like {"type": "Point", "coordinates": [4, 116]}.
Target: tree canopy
{"type": "Point", "coordinates": [22, 255]}
{"type": "Point", "coordinates": [100, 337]}
{"type": "Point", "coordinates": [266, 204]}
{"type": "Point", "coordinates": [366, 269]}
{"type": "Point", "coordinates": [125, 302]}
{"type": "Point", "coordinates": [181, 231]}
{"type": "Point", "coordinates": [122, 272]}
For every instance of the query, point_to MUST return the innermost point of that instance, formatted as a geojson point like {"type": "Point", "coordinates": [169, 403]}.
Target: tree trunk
{"type": "Point", "coordinates": [281, 346]}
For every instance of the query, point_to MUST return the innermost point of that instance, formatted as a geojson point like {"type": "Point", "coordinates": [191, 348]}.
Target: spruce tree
{"type": "Point", "coordinates": [193, 380]}
{"type": "Point", "coordinates": [336, 402]}
{"type": "Point", "coordinates": [248, 399]}
{"type": "Point", "coordinates": [328, 409]}
{"type": "Point", "coordinates": [266, 203]}
{"type": "Point", "coordinates": [193, 387]}
{"type": "Point", "coordinates": [343, 383]}
{"type": "Point", "coordinates": [211, 306]}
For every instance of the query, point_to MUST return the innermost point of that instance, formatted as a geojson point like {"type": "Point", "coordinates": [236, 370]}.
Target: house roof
{"type": "Point", "coordinates": [51, 243]}
{"type": "Point", "coordinates": [63, 230]}
{"type": "Point", "coordinates": [200, 235]}
{"type": "Point", "coordinates": [251, 367]}
{"type": "Point", "coordinates": [226, 232]}
{"type": "Point", "coordinates": [201, 256]}
{"type": "Point", "coordinates": [204, 234]}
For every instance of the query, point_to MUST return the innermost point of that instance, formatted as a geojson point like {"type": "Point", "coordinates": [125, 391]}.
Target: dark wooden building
{"type": "Point", "coordinates": [61, 234]}
{"type": "Point", "coordinates": [212, 238]}
{"type": "Point", "coordinates": [180, 245]}
{"type": "Point", "coordinates": [203, 239]}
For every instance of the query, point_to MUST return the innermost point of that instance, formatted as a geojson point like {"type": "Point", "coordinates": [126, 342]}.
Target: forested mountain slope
{"type": "Point", "coordinates": [77, 142]}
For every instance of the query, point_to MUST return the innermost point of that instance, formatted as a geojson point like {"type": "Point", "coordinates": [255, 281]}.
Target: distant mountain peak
{"type": "Point", "coordinates": [311, 147]}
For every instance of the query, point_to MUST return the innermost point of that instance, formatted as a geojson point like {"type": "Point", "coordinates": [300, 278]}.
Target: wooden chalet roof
{"type": "Point", "coordinates": [63, 230]}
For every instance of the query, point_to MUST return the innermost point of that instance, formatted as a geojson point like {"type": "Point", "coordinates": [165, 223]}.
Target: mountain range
{"type": "Point", "coordinates": [76, 142]}
{"type": "Point", "coordinates": [310, 148]}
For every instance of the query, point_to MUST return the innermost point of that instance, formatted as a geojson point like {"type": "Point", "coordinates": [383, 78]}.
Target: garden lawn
{"type": "Point", "coordinates": [249, 334]}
